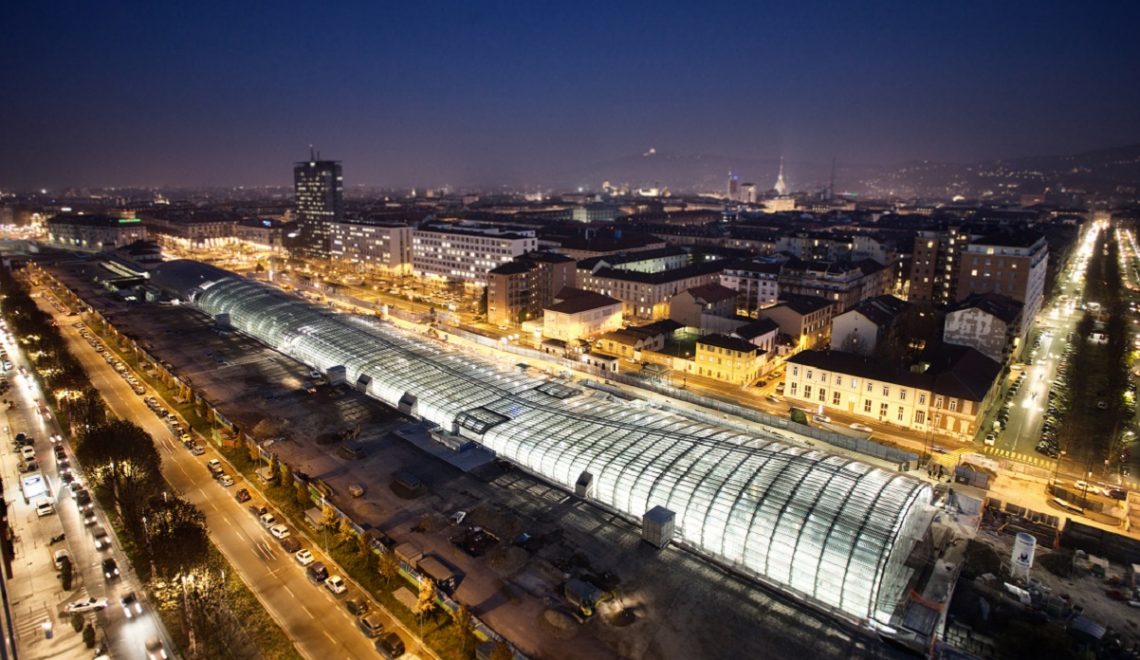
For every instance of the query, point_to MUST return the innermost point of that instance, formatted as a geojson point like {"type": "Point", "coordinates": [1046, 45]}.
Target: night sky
{"type": "Point", "coordinates": [476, 92]}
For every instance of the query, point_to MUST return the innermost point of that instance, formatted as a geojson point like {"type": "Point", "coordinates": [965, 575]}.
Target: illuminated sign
{"type": "Point", "coordinates": [123, 221]}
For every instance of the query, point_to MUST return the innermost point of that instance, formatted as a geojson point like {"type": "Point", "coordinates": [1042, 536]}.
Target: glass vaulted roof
{"type": "Point", "coordinates": [827, 528]}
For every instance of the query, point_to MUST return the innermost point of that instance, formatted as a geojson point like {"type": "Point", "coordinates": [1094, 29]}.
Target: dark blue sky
{"type": "Point", "coordinates": [417, 93]}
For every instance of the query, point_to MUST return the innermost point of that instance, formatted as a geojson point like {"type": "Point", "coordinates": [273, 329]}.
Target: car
{"type": "Point", "coordinates": [267, 520]}
{"type": "Point", "coordinates": [371, 624]}
{"type": "Point", "coordinates": [82, 497]}
{"type": "Point", "coordinates": [774, 399]}
{"type": "Point", "coordinates": [357, 605]}
{"type": "Point", "coordinates": [304, 557]}
{"type": "Point", "coordinates": [86, 605]}
{"type": "Point", "coordinates": [336, 584]}
{"type": "Point", "coordinates": [131, 605]}
{"type": "Point", "coordinates": [290, 544]}
{"type": "Point", "coordinates": [990, 439]}
{"type": "Point", "coordinates": [197, 449]}
{"type": "Point", "coordinates": [89, 518]}
{"type": "Point", "coordinates": [279, 531]}
{"type": "Point", "coordinates": [27, 453]}
{"type": "Point", "coordinates": [317, 572]}
{"type": "Point", "coordinates": [821, 418]}
{"type": "Point", "coordinates": [242, 495]}
{"type": "Point", "coordinates": [225, 480]}
{"type": "Point", "coordinates": [214, 466]}
{"type": "Point", "coordinates": [110, 568]}
{"type": "Point", "coordinates": [102, 540]}
{"type": "Point", "coordinates": [44, 508]}
{"type": "Point", "coordinates": [59, 557]}
{"type": "Point", "coordinates": [155, 649]}
{"type": "Point", "coordinates": [390, 646]}
{"type": "Point", "coordinates": [861, 427]}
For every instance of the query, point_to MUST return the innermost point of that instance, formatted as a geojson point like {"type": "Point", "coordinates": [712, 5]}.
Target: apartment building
{"type": "Point", "coordinates": [1012, 264]}
{"type": "Point", "coordinates": [991, 323]}
{"type": "Point", "coordinates": [646, 295]}
{"type": "Point", "coordinates": [806, 320]}
{"type": "Point", "coordinates": [757, 284]}
{"type": "Point", "coordinates": [578, 314]}
{"type": "Point", "coordinates": [844, 283]}
{"type": "Point", "coordinates": [518, 290]}
{"type": "Point", "coordinates": [728, 359]}
{"type": "Point", "coordinates": [383, 247]}
{"type": "Point", "coordinates": [466, 251]}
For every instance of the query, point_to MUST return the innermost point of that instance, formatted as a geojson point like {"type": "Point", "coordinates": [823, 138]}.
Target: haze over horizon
{"type": "Point", "coordinates": [449, 93]}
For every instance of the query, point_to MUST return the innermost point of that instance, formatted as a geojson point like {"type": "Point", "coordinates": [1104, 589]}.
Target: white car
{"type": "Point", "coordinates": [59, 557]}
{"type": "Point", "coordinates": [28, 453]}
{"type": "Point", "coordinates": [335, 584]}
{"type": "Point", "coordinates": [44, 508]}
{"type": "Point", "coordinates": [861, 427]}
{"type": "Point", "coordinates": [304, 557]}
{"type": "Point", "coordinates": [226, 480]}
{"type": "Point", "coordinates": [86, 605]}
{"type": "Point", "coordinates": [821, 418]}
{"type": "Point", "coordinates": [279, 531]}
{"type": "Point", "coordinates": [990, 439]}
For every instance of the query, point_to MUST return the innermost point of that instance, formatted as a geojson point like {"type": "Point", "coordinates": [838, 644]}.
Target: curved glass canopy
{"type": "Point", "coordinates": [827, 528]}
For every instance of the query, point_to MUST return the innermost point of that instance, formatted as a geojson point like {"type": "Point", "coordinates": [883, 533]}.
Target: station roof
{"type": "Point", "coordinates": [831, 530]}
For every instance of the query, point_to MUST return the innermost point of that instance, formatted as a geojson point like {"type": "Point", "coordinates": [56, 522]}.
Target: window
{"type": "Point", "coordinates": [870, 387]}
{"type": "Point", "coordinates": [866, 405]}
{"type": "Point", "coordinates": [953, 405]}
{"type": "Point", "coordinates": [839, 380]}
{"type": "Point", "coordinates": [835, 398]}
{"type": "Point", "coordinates": [922, 399]}
{"type": "Point", "coordinates": [807, 391]}
{"type": "Point", "coordinates": [883, 410]}
{"type": "Point", "coordinates": [919, 417]}
{"type": "Point", "coordinates": [902, 394]}
{"type": "Point", "coordinates": [938, 402]}
{"type": "Point", "coordinates": [901, 412]}
{"type": "Point", "coordinates": [886, 390]}
{"type": "Point", "coordinates": [794, 387]}
{"type": "Point", "coordinates": [822, 394]}
{"type": "Point", "coordinates": [808, 374]}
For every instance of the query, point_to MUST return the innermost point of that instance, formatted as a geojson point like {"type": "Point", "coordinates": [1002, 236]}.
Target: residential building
{"type": "Point", "coordinates": [383, 247]}
{"type": "Point", "coordinates": [318, 187]}
{"type": "Point", "coordinates": [933, 274]}
{"type": "Point", "coordinates": [629, 342]}
{"type": "Point", "coordinates": [643, 261]}
{"type": "Point", "coordinates": [579, 314]}
{"type": "Point", "coordinates": [756, 284]}
{"type": "Point", "coordinates": [647, 295]}
{"type": "Point", "coordinates": [94, 233]}
{"type": "Point", "coordinates": [991, 323]}
{"type": "Point", "coordinates": [945, 395]}
{"type": "Point", "coordinates": [861, 328]}
{"type": "Point", "coordinates": [518, 290]}
{"type": "Point", "coordinates": [728, 359]}
{"type": "Point", "coordinates": [806, 320]}
{"type": "Point", "coordinates": [763, 333]}
{"type": "Point", "coordinates": [465, 251]}
{"type": "Point", "coordinates": [844, 283]}
{"type": "Point", "coordinates": [713, 299]}
{"type": "Point", "coordinates": [1012, 264]}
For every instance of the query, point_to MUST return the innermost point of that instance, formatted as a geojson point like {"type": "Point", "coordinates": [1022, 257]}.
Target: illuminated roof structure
{"type": "Point", "coordinates": [829, 529]}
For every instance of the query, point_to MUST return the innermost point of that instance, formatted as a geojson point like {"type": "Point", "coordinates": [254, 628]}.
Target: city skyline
{"type": "Point", "coordinates": [465, 96]}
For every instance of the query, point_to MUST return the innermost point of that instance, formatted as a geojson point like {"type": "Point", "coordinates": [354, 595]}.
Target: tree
{"type": "Point", "coordinates": [502, 651]}
{"type": "Point", "coordinates": [363, 545]}
{"type": "Point", "coordinates": [286, 475]}
{"type": "Point", "coordinates": [387, 566]}
{"type": "Point", "coordinates": [89, 636]}
{"type": "Point", "coordinates": [302, 494]}
{"type": "Point", "coordinates": [176, 538]}
{"type": "Point", "coordinates": [464, 625]}
{"type": "Point", "coordinates": [274, 465]}
{"type": "Point", "coordinates": [344, 530]}
{"type": "Point", "coordinates": [425, 604]}
{"type": "Point", "coordinates": [66, 575]}
{"type": "Point", "coordinates": [87, 411]}
{"type": "Point", "coordinates": [77, 622]}
{"type": "Point", "coordinates": [331, 519]}
{"type": "Point", "coordinates": [121, 458]}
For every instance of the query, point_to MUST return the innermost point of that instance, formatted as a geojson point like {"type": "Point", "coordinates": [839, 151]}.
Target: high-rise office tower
{"type": "Point", "coordinates": [319, 189]}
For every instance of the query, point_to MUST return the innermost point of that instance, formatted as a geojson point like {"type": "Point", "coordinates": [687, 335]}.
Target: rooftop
{"type": "Point", "coordinates": [995, 304]}
{"type": "Point", "coordinates": [955, 371]}
{"type": "Point", "coordinates": [662, 277]}
{"type": "Point", "coordinates": [713, 292]}
{"type": "Point", "coordinates": [575, 301]}
{"type": "Point", "coordinates": [880, 310]}
{"type": "Point", "coordinates": [729, 343]}
{"type": "Point", "coordinates": [804, 304]}
{"type": "Point", "coordinates": [756, 329]}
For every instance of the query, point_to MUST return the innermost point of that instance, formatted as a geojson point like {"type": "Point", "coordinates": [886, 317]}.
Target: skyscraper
{"type": "Point", "coordinates": [318, 187]}
{"type": "Point", "coordinates": [731, 191]}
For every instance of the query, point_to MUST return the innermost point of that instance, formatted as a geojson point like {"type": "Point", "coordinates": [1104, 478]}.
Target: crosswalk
{"type": "Point", "coordinates": [1030, 459]}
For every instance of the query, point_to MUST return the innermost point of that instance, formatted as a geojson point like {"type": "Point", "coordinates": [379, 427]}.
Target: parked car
{"type": "Point", "coordinates": [317, 572]}
{"type": "Point", "coordinates": [861, 427]}
{"type": "Point", "coordinates": [371, 624]}
{"type": "Point", "coordinates": [821, 418]}
{"type": "Point", "coordinates": [390, 646]}
{"type": "Point", "coordinates": [225, 480]}
{"type": "Point", "coordinates": [304, 557]}
{"type": "Point", "coordinates": [242, 495]}
{"type": "Point", "coordinates": [279, 531]}
{"type": "Point", "coordinates": [990, 439]}
{"type": "Point", "coordinates": [60, 557]}
{"type": "Point", "coordinates": [357, 605]}
{"type": "Point", "coordinates": [336, 584]}
{"type": "Point", "coordinates": [44, 508]}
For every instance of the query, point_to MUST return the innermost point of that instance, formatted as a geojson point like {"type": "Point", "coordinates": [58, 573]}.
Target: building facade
{"type": "Point", "coordinates": [646, 296]}
{"type": "Point", "coordinates": [518, 290]}
{"type": "Point", "coordinates": [728, 359]}
{"type": "Point", "coordinates": [94, 233]}
{"type": "Point", "coordinates": [382, 247]}
{"type": "Point", "coordinates": [948, 398]}
{"type": "Point", "coordinates": [318, 188]}
{"type": "Point", "coordinates": [844, 283]}
{"type": "Point", "coordinates": [990, 323]}
{"type": "Point", "coordinates": [1013, 265]}
{"type": "Point", "coordinates": [859, 330]}
{"type": "Point", "coordinates": [579, 314]}
{"type": "Point", "coordinates": [804, 319]}
{"type": "Point", "coordinates": [757, 285]}
{"type": "Point", "coordinates": [466, 251]}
